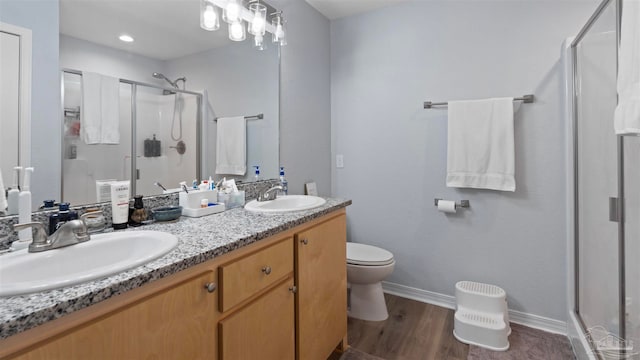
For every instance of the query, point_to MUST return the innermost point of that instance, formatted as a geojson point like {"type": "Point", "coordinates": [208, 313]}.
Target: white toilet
{"type": "Point", "coordinates": [367, 266]}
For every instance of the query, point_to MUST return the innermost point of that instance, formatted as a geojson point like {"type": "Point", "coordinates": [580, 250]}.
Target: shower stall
{"type": "Point", "coordinates": [606, 201]}
{"type": "Point", "coordinates": [159, 128]}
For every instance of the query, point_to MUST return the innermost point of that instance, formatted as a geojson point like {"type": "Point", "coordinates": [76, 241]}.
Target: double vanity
{"type": "Point", "coordinates": [237, 285]}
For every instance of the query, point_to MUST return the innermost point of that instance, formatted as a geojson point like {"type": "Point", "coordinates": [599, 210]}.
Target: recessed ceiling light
{"type": "Point", "coordinates": [125, 38]}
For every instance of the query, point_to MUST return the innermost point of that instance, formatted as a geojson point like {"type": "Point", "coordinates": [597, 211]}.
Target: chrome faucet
{"type": "Point", "coordinates": [70, 233]}
{"type": "Point", "coordinates": [269, 194]}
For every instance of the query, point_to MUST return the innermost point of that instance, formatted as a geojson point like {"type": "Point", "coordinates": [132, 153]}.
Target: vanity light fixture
{"type": "Point", "coordinates": [209, 18]}
{"type": "Point", "coordinates": [125, 38]}
{"type": "Point", "coordinates": [235, 14]}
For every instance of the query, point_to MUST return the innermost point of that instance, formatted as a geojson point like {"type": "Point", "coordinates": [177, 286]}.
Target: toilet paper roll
{"type": "Point", "coordinates": [446, 206]}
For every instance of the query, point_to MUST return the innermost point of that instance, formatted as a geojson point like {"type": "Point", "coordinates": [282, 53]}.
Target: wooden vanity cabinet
{"type": "Point", "coordinates": [178, 322]}
{"type": "Point", "coordinates": [281, 298]}
{"type": "Point", "coordinates": [321, 277]}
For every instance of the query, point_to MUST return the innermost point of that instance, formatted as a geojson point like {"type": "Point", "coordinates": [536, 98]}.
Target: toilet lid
{"type": "Point", "coordinates": [361, 254]}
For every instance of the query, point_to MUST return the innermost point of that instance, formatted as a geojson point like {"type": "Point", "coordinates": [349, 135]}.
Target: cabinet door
{"type": "Point", "coordinates": [322, 288]}
{"type": "Point", "coordinates": [179, 323]}
{"type": "Point", "coordinates": [262, 330]}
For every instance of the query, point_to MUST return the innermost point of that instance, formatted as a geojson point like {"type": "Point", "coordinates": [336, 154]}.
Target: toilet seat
{"type": "Point", "coordinates": [367, 255]}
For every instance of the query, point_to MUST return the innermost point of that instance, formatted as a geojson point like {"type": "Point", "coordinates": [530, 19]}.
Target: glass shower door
{"type": "Point", "coordinates": [167, 139]}
{"type": "Point", "coordinates": [598, 285]}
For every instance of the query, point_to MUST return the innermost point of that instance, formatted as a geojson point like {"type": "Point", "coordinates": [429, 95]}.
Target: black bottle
{"type": "Point", "coordinates": [58, 219]}
{"type": "Point", "coordinates": [139, 213]}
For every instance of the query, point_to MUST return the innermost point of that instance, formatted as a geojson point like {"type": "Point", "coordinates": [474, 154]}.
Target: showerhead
{"type": "Point", "coordinates": [161, 76]}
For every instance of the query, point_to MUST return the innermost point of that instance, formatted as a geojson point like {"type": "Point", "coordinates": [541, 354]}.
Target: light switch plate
{"type": "Point", "coordinates": [339, 161]}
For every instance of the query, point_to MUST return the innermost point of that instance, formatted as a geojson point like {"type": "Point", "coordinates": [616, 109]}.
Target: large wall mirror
{"type": "Point", "coordinates": [15, 100]}
{"type": "Point", "coordinates": [173, 80]}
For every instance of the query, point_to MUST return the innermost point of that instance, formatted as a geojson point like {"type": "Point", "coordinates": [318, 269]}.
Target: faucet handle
{"type": "Point", "coordinates": [41, 232]}
{"type": "Point", "coordinates": [94, 220]}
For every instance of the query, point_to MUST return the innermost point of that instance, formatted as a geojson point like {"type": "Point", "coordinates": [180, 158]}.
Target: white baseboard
{"type": "Point", "coordinates": [449, 302]}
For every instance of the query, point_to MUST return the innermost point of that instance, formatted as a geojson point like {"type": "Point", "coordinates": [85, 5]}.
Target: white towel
{"type": "Point", "coordinates": [627, 115]}
{"type": "Point", "coordinates": [91, 110]}
{"type": "Point", "coordinates": [231, 146]}
{"type": "Point", "coordinates": [480, 148]}
{"type": "Point", "coordinates": [100, 123]}
{"type": "Point", "coordinates": [3, 197]}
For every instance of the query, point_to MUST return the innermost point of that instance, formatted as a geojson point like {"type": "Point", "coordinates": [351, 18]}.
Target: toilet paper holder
{"type": "Point", "coordinates": [462, 204]}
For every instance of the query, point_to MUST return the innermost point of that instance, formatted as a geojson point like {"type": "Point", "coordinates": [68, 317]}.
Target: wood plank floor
{"type": "Point", "coordinates": [413, 331]}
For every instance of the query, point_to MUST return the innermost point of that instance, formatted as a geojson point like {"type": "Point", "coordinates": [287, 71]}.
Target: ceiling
{"type": "Point", "coordinates": [334, 9]}
{"type": "Point", "coordinates": [167, 29]}
{"type": "Point", "coordinates": [162, 29]}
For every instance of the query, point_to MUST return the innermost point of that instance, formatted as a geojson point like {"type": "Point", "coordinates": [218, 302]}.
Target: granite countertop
{"type": "Point", "coordinates": [200, 239]}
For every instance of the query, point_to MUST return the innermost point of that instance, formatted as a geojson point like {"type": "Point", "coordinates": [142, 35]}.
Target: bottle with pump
{"type": "Point", "coordinates": [257, 176]}
{"type": "Point", "coordinates": [14, 191]}
{"type": "Point", "coordinates": [283, 182]}
{"type": "Point", "coordinates": [24, 205]}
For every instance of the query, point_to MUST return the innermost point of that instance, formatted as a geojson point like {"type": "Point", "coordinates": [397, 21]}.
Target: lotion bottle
{"type": "Point", "coordinates": [24, 205]}
{"type": "Point", "coordinates": [12, 196]}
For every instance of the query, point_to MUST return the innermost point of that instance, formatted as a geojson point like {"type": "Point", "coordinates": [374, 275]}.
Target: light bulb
{"type": "Point", "coordinates": [236, 31]}
{"type": "Point", "coordinates": [232, 12]}
{"type": "Point", "coordinates": [259, 42]}
{"type": "Point", "coordinates": [279, 34]}
{"type": "Point", "coordinates": [210, 20]}
{"type": "Point", "coordinates": [258, 23]}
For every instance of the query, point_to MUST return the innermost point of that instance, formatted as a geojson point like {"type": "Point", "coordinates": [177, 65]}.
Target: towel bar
{"type": "Point", "coordinates": [252, 117]}
{"type": "Point", "coordinates": [527, 99]}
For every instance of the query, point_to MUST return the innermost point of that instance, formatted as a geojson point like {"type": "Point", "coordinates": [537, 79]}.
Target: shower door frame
{"type": "Point", "coordinates": [134, 88]}
{"type": "Point", "coordinates": [619, 202]}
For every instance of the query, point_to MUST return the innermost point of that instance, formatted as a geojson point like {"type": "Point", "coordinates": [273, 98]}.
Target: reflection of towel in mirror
{"type": "Point", "coordinates": [231, 146]}
{"type": "Point", "coordinates": [3, 198]}
{"type": "Point", "coordinates": [100, 123]}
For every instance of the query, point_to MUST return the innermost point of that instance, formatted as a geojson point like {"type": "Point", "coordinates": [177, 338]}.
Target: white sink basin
{"type": "Point", "coordinates": [286, 203]}
{"type": "Point", "coordinates": [105, 254]}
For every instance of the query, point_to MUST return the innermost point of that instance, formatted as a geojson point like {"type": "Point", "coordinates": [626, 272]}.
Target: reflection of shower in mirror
{"type": "Point", "coordinates": [178, 106]}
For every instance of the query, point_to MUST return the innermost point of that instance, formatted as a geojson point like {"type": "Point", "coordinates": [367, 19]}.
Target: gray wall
{"type": "Point", "coordinates": [305, 116]}
{"type": "Point", "coordinates": [42, 18]}
{"type": "Point", "coordinates": [395, 152]}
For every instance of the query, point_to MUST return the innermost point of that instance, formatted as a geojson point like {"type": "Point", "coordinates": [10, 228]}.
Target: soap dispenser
{"type": "Point", "coordinates": [24, 205]}
{"type": "Point", "coordinates": [13, 194]}
{"type": "Point", "coordinates": [283, 182]}
{"type": "Point", "coordinates": [257, 175]}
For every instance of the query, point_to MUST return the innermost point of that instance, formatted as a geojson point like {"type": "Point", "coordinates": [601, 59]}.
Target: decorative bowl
{"type": "Point", "coordinates": [167, 213]}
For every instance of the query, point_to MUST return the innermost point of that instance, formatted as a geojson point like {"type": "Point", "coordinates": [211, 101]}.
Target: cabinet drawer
{"type": "Point", "coordinates": [241, 279]}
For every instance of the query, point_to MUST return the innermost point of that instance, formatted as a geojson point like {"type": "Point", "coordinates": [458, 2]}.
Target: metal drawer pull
{"type": "Point", "coordinates": [304, 241]}
{"type": "Point", "coordinates": [293, 289]}
{"type": "Point", "coordinates": [266, 270]}
{"type": "Point", "coordinates": [211, 287]}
